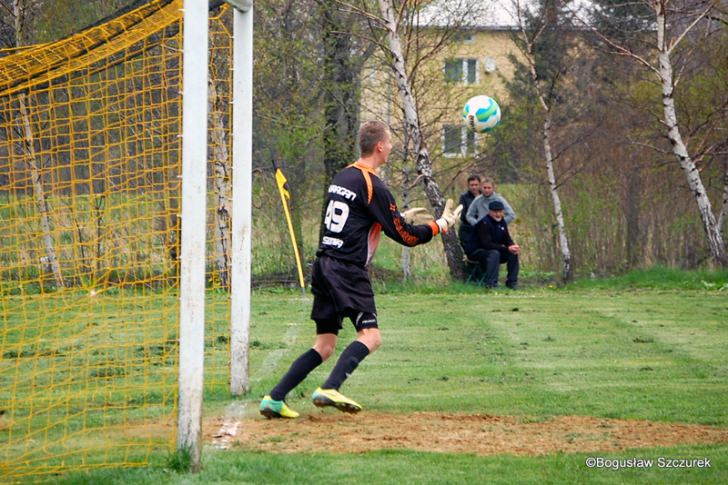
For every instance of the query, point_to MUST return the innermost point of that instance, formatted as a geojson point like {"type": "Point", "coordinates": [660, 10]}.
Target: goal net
{"type": "Point", "coordinates": [90, 196]}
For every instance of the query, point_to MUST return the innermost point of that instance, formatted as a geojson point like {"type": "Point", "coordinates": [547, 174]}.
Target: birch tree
{"type": "Point", "coordinates": [21, 14]}
{"type": "Point", "coordinates": [663, 49]}
{"type": "Point", "coordinates": [220, 157]}
{"type": "Point", "coordinates": [222, 180]}
{"type": "Point", "coordinates": [405, 58]}
{"type": "Point", "coordinates": [453, 251]}
{"type": "Point", "coordinates": [544, 49]}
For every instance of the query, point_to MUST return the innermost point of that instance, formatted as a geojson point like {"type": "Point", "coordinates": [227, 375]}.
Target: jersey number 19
{"type": "Point", "coordinates": [336, 214]}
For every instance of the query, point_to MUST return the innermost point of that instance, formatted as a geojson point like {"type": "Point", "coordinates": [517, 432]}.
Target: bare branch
{"type": "Point", "coordinates": [652, 147]}
{"type": "Point", "coordinates": [362, 12]}
{"type": "Point", "coordinates": [715, 18]}
{"type": "Point", "coordinates": [709, 118]}
{"type": "Point", "coordinates": [415, 182]}
{"type": "Point", "coordinates": [8, 9]}
{"type": "Point", "coordinates": [709, 149]}
{"type": "Point", "coordinates": [371, 41]}
{"type": "Point", "coordinates": [576, 141]}
{"type": "Point", "coordinates": [689, 27]}
{"type": "Point", "coordinates": [624, 51]}
{"type": "Point", "coordinates": [402, 10]}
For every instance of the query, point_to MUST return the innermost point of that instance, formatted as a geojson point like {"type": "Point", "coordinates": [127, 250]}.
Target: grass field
{"type": "Point", "coordinates": [651, 356]}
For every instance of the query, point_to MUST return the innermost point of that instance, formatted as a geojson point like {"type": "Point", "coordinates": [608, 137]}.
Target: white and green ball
{"type": "Point", "coordinates": [481, 114]}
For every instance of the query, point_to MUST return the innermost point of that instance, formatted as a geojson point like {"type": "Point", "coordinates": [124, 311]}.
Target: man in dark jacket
{"type": "Point", "coordinates": [465, 232]}
{"type": "Point", "coordinates": [493, 246]}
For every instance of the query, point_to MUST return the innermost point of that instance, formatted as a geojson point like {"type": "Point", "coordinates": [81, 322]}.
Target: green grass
{"type": "Point", "coordinates": [660, 278]}
{"type": "Point", "coordinates": [624, 354]}
{"type": "Point", "coordinates": [619, 351]}
{"type": "Point", "coordinates": [408, 467]}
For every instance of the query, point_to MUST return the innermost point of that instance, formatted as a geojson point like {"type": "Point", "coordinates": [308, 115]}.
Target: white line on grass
{"type": "Point", "coordinates": [237, 409]}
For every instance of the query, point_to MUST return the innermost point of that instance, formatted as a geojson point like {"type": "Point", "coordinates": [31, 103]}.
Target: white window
{"type": "Point", "coordinates": [459, 70]}
{"type": "Point", "coordinates": [457, 141]}
{"type": "Point", "coordinates": [463, 37]}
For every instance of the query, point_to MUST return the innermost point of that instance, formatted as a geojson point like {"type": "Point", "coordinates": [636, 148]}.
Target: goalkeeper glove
{"type": "Point", "coordinates": [449, 216]}
{"type": "Point", "coordinates": [417, 216]}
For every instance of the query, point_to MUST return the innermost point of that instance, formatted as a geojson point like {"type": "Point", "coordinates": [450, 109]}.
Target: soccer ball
{"type": "Point", "coordinates": [481, 114]}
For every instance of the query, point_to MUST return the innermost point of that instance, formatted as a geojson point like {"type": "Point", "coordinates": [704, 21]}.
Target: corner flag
{"type": "Point", "coordinates": [282, 184]}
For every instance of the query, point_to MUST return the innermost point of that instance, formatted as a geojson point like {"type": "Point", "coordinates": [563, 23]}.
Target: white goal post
{"type": "Point", "coordinates": [194, 180]}
{"type": "Point", "coordinates": [242, 216]}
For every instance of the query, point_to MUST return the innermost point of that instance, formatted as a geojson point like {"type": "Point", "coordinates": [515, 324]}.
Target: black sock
{"type": "Point", "coordinates": [298, 371]}
{"type": "Point", "coordinates": [347, 363]}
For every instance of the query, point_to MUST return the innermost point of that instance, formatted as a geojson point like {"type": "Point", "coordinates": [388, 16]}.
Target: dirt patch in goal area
{"type": "Point", "coordinates": [479, 434]}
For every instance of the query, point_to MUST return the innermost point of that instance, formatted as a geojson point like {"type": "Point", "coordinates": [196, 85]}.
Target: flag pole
{"type": "Point", "coordinates": [282, 183]}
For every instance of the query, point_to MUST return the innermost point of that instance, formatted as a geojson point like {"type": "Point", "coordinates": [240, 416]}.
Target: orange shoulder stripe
{"type": "Point", "coordinates": [366, 172]}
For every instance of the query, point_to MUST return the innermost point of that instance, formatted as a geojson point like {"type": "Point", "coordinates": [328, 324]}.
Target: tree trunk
{"type": "Point", "coordinates": [567, 270]}
{"type": "Point", "coordinates": [341, 94]}
{"type": "Point", "coordinates": [724, 205]}
{"type": "Point", "coordinates": [710, 225]}
{"type": "Point", "coordinates": [635, 231]}
{"type": "Point", "coordinates": [453, 251]}
{"type": "Point", "coordinates": [98, 205]}
{"type": "Point", "coordinates": [38, 192]}
{"type": "Point", "coordinates": [31, 158]}
{"type": "Point", "coordinates": [222, 183]}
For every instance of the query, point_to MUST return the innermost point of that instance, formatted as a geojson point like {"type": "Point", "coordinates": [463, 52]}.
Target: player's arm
{"type": "Point", "coordinates": [385, 211]}
{"type": "Point", "coordinates": [396, 226]}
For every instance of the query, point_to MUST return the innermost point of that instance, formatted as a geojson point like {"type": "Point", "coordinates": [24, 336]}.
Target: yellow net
{"type": "Point", "coordinates": [90, 154]}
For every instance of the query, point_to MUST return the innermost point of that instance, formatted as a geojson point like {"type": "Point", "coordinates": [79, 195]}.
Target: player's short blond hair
{"type": "Point", "coordinates": [371, 133]}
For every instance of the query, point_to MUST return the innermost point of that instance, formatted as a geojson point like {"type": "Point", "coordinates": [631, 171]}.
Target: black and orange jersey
{"type": "Point", "coordinates": [358, 207]}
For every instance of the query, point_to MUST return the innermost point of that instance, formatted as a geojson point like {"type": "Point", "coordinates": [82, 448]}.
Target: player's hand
{"type": "Point", "coordinates": [449, 216]}
{"type": "Point", "coordinates": [514, 248]}
{"type": "Point", "coordinates": [417, 216]}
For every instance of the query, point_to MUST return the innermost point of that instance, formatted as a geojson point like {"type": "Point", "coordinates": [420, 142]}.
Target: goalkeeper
{"type": "Point", "coordinates": [359, 206]}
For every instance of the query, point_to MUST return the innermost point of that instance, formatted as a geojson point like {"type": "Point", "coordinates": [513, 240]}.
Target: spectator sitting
{"type": "Point", "coordinates": [478, 209]}
{"type": "Point", "coordinates": [465, 231]}
{"type": "Point", "coordinates": [493, 246]}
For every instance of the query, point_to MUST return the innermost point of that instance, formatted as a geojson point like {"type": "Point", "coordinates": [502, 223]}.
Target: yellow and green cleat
{"type": "Point", "coordinates": [332, 397]}
{"type": "Point", "coordinates": [270, 408]}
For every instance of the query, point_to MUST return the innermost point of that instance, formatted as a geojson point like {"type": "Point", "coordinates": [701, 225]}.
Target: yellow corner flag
{"type": "Point", "coordinates": [282, 183]}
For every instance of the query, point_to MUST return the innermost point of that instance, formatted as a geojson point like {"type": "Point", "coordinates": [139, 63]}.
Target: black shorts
{"type": "Point", "coordinates": [341, 289]}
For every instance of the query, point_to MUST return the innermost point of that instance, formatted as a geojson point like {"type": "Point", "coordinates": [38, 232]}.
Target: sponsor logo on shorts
{"type": "Point", "coordinates": [370, 319]}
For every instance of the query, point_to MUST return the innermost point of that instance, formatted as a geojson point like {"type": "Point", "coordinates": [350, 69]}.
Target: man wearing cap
{"type": "Point", "coordinates": [493, 246]}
